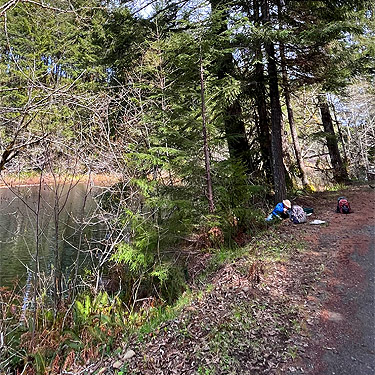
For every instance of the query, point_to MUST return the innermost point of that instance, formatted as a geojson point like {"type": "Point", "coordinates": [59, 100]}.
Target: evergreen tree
{"type": "Point", "coordinates": [234, 126]}
{"type": "Point", "coordinates": [276, 115]}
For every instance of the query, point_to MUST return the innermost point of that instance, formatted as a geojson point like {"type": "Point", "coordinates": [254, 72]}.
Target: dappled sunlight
{"type": "Point", "coordinates": [332, 316]}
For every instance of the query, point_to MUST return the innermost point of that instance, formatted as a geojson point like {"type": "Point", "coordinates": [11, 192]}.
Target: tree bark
{"type": "Point", "coordinates": [57, 265]}
{"type": "Point", "coordinates": [340, 173]}
{"type": "Point", "coordinates": [276, 117]}
{"type": "Point", "coordinates": [205, 144]}
{"type": "Point", "coordinates": [340, 134]}
{"type": "Point", "coordinates": [293, 129]}
{"type": "Point", "coordinates": [263, 126]}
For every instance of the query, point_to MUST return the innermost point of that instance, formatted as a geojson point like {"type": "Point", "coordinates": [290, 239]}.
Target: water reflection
{"type": "Point", "coordinates": [18, 228]}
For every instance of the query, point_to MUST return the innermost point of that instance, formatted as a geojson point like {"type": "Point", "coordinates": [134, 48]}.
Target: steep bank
{"type": "Point", "coordinates": [284, 307]}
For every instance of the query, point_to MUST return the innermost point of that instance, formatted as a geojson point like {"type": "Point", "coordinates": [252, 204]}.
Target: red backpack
{"type": "Point", "coordinates": [343, 206]}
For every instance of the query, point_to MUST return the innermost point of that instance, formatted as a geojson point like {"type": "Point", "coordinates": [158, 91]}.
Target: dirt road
{"type": "Point", "coordinates": [343, 340]}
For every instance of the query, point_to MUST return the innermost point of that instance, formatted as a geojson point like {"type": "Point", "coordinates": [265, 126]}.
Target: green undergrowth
{"type": "Point", "coordinates": [250, 328]}
{"type": "Point", "coordinates": [275, 246]}
{"type": "Point", "coordinates": [267, 246]}
{"type": "Point", "coordinates": [227, 333]}
{"type": "Point", "coordinates": [336, 187]}
{"type": "Point", "coordinates": [220, 257]}
{"type": "Point", "coordinates": [161, 314]}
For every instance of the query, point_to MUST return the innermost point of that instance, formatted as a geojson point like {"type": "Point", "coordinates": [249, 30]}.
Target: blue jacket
{"type": "Point", "coordinates": [279, 209]}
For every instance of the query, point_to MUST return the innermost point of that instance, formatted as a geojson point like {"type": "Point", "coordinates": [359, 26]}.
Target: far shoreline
{"type": "Point", "coordinates": [12, 180]}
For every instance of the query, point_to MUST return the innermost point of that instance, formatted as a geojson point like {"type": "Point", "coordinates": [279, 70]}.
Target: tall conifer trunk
{"type": "Point", "coordinates": [263, 127]}
{"type": "Point", "coordinates": [235, 132]}
{"type": "Point", "coordinates": [340, 134]}
{"type": "Point", "coordinates": [206, 149]}
{"type": "Point", "coordinates": [293, 129]}
{"type": "Point", "coordinates": [340, 173]}
{"type": "Point", "coordinates": [286, 91]}
{"type": "Point", "coordinates": [276, 117]}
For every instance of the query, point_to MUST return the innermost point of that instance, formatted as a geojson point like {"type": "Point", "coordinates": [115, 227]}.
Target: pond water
{"type": "Point", "coordinates": [18, 228]}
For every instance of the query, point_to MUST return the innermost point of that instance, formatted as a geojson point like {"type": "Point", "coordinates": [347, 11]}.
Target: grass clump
{"type": "Point", "coordinates": [160, 314]}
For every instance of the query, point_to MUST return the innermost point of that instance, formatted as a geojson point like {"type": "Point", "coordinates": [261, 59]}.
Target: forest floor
{"type": "Point", "coordinates": [300, 301]}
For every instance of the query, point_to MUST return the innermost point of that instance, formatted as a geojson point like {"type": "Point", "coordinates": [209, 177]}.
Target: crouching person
{"type": "Point", "coordinates": [280, 211]}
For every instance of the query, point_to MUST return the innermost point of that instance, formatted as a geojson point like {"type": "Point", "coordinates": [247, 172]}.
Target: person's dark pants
{"type": "Point", "coordinates": [284, 215]}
